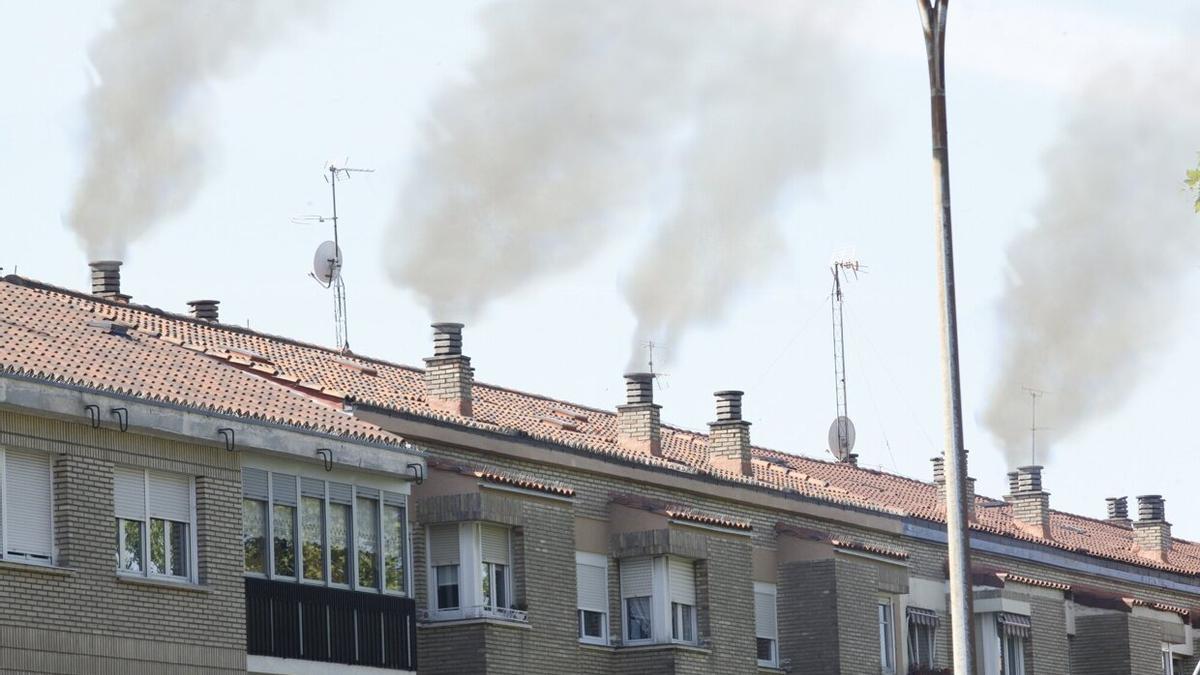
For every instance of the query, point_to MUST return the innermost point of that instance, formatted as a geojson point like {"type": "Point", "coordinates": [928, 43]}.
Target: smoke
{"type": "Point", "coordinates": [575, 118]}
{"type": "Point", "coordinates": [1093, 285]}
{"type": "Point", "coordinates": [147, 143]}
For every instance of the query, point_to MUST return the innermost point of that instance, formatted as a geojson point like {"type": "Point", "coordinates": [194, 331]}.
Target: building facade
{"type": "Point", "coordinates": [264, 505]}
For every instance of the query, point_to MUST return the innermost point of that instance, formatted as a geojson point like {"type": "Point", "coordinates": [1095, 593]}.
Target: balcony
{"type": "Point", "coordinates": [315, 623]}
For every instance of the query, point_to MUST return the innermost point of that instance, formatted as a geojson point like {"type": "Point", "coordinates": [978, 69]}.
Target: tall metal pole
{"type": "Point", "coordinates": [933, 20]}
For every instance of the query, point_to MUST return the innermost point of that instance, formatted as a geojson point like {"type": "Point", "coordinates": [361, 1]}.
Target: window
{"type": "Point", "coordinates": [495, 567]}
{"type": "Point", "coordinates": [659, 592]}
{"type": "Point", "coordinates": [1013, 630]}
{"type": "Point", "coordinates": [315, 531]}
{"type": "Point", "coordinates": [470, 571]}
{"type": "Point", "coordinates": [887, 638]}
{"type": "Point", "coordinates": [1172, 664]}
{"type": "Point", "coordinates": [681, 582]}
{"type": "Point", "coordinates": [26, 518]}
{"type": "Point", "coordinates": [766, 630]}
{"type": "Point", "coordinates": [922, 626]}
{"type": "Point", "coordinates": [443, 557]}
{"type": "Point", "coordinates": [637, 591]}
{"type": "Point", "coordinates": [154, 523]}
{"type": "Point", "coordinates": [591, 585]}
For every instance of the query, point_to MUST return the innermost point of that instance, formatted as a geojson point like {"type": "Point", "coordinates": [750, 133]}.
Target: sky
{"type": "Point", "coordinates": [358, 81]}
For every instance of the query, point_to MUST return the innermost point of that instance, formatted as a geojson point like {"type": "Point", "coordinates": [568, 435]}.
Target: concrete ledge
{"type": "Point", "coordinates": [520, 625]}
{"type": "Point", "coordinates": [186, 587]}
{"type": "Point", "coordinates": [34, 568]}
{"type": "Point", "coordinates": [271, 665]}
{"type": "Point", "coordinates": [664, 646]}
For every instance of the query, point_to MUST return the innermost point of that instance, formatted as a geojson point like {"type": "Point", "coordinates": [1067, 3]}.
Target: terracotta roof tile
{"type": "Point", "coordinates": [41, 335]}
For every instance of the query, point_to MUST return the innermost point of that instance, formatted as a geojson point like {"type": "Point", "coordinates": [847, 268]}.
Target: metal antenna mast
{"type": "Point", "coordinates": [329, 270]}
{"type": "Point", "coordinates": [841, 437]}
{"type": "Point", "coordinates": [1034, 395]}
{"type": "Point", "coordinates": [958, 548]}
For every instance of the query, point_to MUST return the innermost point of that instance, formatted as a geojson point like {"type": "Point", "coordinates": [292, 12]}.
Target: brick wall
{"type": "Point", "coordinates": [1047, 650]}
{"type": "Point", "coordinates": [79, 617]}
{"type": "Point", "coordinates": [1101, 645]}
{"type": "Point", "coordinates": [807, 602]}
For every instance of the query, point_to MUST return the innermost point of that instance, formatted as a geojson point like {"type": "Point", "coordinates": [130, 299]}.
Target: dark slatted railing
{"type": "Point", "coordinates": [297, 621]}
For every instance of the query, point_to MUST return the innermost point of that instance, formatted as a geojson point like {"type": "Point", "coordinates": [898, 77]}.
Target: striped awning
{"type": "Point", "coordinates": [1014, 624]}
{"type": "Point", "coordinates": [922, 617]}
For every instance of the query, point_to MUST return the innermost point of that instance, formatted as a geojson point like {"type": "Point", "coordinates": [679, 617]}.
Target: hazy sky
{"type": "Point", "coordinates": [359, 82]}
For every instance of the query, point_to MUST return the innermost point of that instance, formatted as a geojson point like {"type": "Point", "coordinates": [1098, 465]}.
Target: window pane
{"type": "Point", "coordinates": [129, 545]}
{"type": "Point", "coordinates": [283, 523]}
{"type": "Point", "coordinates": [591, 624]}
{"type": "Point", "coordinates": [501, 577]}
{"type": "Point", "coordinates": [485, 576]}
{"type": "Point", "coordinates": [393, 547]}
{"type": "Point", "coordinates": [766, 650]}
{"type": "Point", "coordinates": [447, 586]}
{"type": "Point", "coordinates": [687, 617]}
{"type": "Point", "coordinates": [177, 549]}
{"type": "Point", "coordinates": [339, 543]}
{"type": "Point", "coordinates": [158, 546]}
{"type": "Point", "coordinates": [312, 529]}
{"type": "Point", "coordinates": [366, 525]}
{"type": "Point", "coordinates": [254, 535]}
{"type": "Point", "coordinates": [638, 613]}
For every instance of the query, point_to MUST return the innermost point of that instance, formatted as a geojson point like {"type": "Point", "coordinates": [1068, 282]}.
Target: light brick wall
{"type": "Point", "coordinates": [1047, 650]}
{"type": "Point", "coordinates": [80, 617]}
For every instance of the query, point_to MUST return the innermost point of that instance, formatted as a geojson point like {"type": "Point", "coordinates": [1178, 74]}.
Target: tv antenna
{"type": "Point", "coordinates": [327, 261]}
{"type": "Point", "coordinates": [658, 377]}
{"type": "Point", "coordinates": [1034, 395]}
{"type": "Point", "coordinates": [841, 432]}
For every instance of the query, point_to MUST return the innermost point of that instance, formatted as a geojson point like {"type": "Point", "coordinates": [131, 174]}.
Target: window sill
{"type": "Point", "coordinates": [598, 646]}
{"type": "Point", "coordinates": [50, 570]}
{"type": "Point", "coordinates": [493, 621]}
{"type": "Point", "coordinates": [665, 646]}
{"type": "Point", "coordinates": [185, 586]}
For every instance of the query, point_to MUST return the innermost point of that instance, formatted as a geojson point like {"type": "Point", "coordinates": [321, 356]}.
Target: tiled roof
{"type": "Point", "coordinates": [679, 512]}
{"type": "Point", "coordinates": [44, 332]}
{"type": "Point", "coordinates": [502, 477]}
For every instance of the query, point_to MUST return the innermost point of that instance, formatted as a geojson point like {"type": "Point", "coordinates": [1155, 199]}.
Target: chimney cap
{"type": "Point", "coordinates": [639, 376]}
{"type": "Point", "coordinates": [447, 326]}
{"type": "Point", "coordinates": [447, 339]}
{"type": "Point", "coordinates": [639, 388]}
{"type": "Point", "coordinates": [729, 405]}
{"type": "Point", "coordinates": [205, 310]}
{"type": "Point", "coordinates": [105, 264]}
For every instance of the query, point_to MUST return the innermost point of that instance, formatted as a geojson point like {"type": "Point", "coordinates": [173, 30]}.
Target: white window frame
{"type": "Point", "coordinates": [471, 600]}
{"type": "Point", "coordinates": [1012, 666]}
{"type": "Point", "coordinates": [193, 557]}
{"type": "Point", "coordinates": [762, 588]}
{"type": "Point", "coordinates": [5, 510]}
{"type": "Point", "coordinates": [665, 614]}
{"type": "Point", "coordinates": [275, 473]}
{"type": "Point", "coordinates": [599, 561]}
{"type": "Point", "coordinates": [912, 636]}
{"type": "Point", "coordinates": [886, 617]}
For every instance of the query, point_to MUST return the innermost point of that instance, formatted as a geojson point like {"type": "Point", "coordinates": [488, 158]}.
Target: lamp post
{"type": "Point", "coordinates": [933, 20]}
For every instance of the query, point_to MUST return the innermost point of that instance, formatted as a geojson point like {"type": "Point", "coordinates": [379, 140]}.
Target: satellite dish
{"type": "Point", "coordinates": [327, 262]}
{"type": "Point", "coordinates": [841, 438]}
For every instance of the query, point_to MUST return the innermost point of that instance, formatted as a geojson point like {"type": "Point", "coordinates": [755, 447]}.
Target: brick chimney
{"type": "Point", "coordinates": [729, 435]}
{"type": "Point", "coordinates": [1118, 511]}
{"type": "Point", "coordinates": [205, 310]}
{"type": "Point", "coordinates": [106, 280]}
{"type": "Point", "coordinates": [638, 420]}
{"type": "Point", "coordinates": [448, 374]}
{"type": "Point", "coordinates": [939, 479]}
{"type": "Point", "coordinates": [1030, 504]}
{"type": "Point", "coordinates": [1152, 532]}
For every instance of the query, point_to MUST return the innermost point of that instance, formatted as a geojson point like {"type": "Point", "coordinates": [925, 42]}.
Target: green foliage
{"type": "Point", "coordinates": [1193, 183]}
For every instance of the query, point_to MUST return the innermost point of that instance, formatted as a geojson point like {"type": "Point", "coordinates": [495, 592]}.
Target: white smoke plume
{"type": "Point", "coordinates": [576, 110]}
{"type": "Point", "coordinates": [1092, 288]}
{"type": "Point", "coordinates": [147, 144]}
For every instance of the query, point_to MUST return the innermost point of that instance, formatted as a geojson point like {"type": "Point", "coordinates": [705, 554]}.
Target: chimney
{"type": "Point", "coordinates": [1152, 532]}
{"type": "Point", "coordinates": [106, 280]}
{"type": "Point", "coordinates": [205, 310]}
{"type": "Point", "coordinates": [1030, 504]}
{"type": "Point", "coordinates": [939, 479]}
{"type": "Point", "coordinates": [1118, 511]}
{"type": "Point", "coordinates": [729, 435]}
{"type": "Point", "coordinates": [448, 374]}
{"type": "Point", "coordinates": [638, 419]}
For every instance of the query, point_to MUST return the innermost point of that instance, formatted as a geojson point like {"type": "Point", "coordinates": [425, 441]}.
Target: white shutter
{"type": "Point", "coordinates": [591, 582]}
{"type": "Point", "coordinates": [682, 580]}
{"type": "Point", "coordinates": [340, 493]}
{"type": "Point", "coordinates": [764, 611]}
{"type": "Point", "coordinates": [129, 493]}
{"type": "Point", "coordinates": [27, 480]}
{"type": "Point", "coordinates": [171, 496]}
{"type": "Point", "coordinates": [312, 487]}
{"type": "Point", "coordinates": [443, 545]}
{"type": "Point", "coordinates": [636, 578]}
{"type": "Point", "coordinates": [493, 541]}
